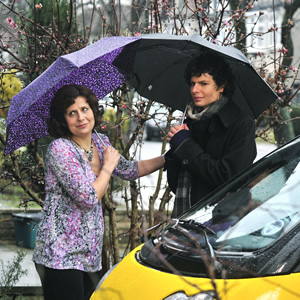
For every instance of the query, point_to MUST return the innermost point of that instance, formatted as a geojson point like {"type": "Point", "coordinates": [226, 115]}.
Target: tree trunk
{"type": "Point", "coordinates": [284, 131]}
{"type": "Point", "coordinates": [134, 217]}
{"type": "Point", "coordinates": [114, 236]}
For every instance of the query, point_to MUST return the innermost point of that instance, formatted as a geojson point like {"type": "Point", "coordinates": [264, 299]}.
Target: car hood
{"type": "Point", "coordinates": [132, 280]}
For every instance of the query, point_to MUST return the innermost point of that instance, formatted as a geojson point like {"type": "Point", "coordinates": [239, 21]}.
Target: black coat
{"type": "Point", "coordinates": [220, 147]}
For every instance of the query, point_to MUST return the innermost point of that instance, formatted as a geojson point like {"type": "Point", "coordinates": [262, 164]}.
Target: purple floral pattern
{"type": "Point", "coordinates": [70, 234]}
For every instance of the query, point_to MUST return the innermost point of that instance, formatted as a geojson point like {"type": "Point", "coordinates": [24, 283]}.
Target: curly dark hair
{"type": "Point", "coordinates": [65, 97]}
{"type": "Point", "coordinates": [216, 66]}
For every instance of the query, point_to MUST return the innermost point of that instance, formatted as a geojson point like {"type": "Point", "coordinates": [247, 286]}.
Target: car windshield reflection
{"type": "Point", "coordinates": [256, 211]}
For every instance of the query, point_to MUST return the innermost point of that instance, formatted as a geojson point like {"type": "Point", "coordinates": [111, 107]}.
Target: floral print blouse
{"type": "Point", "coordinates": [70, 234]}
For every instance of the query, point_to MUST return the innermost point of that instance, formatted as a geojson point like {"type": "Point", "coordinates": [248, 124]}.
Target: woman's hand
{"type": "Point", "coordinates": [175, 129]}
{"type": "Point", "coordinates": [110, 159]}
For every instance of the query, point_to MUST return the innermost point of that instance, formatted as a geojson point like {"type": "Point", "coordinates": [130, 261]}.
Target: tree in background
{"type": "Point", "coordinates": [283, 129]}
{"type": "Point", "coordinates": [33, 35]}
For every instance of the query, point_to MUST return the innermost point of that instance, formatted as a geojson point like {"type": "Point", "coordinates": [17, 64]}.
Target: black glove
{"type": "Point", "coordinates": [179, 138]}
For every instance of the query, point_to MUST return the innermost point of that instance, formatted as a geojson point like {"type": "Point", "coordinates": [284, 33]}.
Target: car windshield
{"type": "Point", "coordinates": [255, 210]}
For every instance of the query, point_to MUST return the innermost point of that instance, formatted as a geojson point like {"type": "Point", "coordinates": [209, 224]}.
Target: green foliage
{"type": "Point", "coordinates": [49, 12]}
{"type": "Point", "coordinates": [109, 116]}
{"type": "Point", "coordinates": [10, 85]}
{"type": "Point", "coordinates": [109, 119]}
{"type": "Point", "coordinates": [11, 273]}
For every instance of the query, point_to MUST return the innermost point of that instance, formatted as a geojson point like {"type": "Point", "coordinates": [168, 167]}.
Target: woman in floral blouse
{"type": "Point", "coordinates": [79, 166]}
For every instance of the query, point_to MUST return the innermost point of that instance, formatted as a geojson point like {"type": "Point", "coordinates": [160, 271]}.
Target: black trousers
{"type": "Point", "coordinates": [67, 284]}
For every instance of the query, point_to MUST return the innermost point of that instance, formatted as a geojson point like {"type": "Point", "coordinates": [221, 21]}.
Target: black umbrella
{"type": "Point", "coordinates": [154, 64]}
{"type": "Point", "coordinates": [159, 65]}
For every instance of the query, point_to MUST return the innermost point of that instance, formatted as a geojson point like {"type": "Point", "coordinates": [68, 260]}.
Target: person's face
{"type": "Point", "coordinates": [204, 90]}
{"type": "Point", "coordinates": [80, 118]}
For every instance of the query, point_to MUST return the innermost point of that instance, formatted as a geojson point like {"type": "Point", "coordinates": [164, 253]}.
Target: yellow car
{"type": "Point", "coordinates": [241, 242]}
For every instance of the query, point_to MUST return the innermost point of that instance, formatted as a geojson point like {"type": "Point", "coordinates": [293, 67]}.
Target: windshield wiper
{"type": "Point", "coordinates": [192, 224]}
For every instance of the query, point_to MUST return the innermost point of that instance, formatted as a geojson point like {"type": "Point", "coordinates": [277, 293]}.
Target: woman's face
{"type": "Point", "coordinates": [204, 90]}
{"type": "Point", "coordinates": [80, 117]}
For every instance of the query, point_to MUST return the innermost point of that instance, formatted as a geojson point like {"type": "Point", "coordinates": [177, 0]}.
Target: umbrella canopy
{"type": "Point", "coordinates": [154, 64]}
{"type": "Point", "coordinates": [93, 67]}
{"type": "Point", "coordinates": [161, 60]}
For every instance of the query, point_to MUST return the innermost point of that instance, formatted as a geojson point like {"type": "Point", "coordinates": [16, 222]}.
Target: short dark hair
{"type": "Point", "coordinates": [65, 97]}
{"type": "Point", "coordinates": [216, 66]}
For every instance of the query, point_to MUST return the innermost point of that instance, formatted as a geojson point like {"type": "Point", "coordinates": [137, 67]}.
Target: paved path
{"type": "Point", "coordinates": [7, 254]}
{"type": "Point", "coordinates": [263, 149]}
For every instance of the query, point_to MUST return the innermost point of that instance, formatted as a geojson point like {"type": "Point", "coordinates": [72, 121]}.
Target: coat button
{"type": "Point", "coordinates": [185, 161]}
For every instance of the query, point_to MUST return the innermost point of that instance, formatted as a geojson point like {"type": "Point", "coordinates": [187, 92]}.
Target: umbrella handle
{"type": "Point", "coordinates": [184, 113]}
{"type": "Point", "coordinates": [100, 138]}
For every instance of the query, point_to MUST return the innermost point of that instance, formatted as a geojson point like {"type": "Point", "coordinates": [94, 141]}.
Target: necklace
{"type": "Point", "coordinates": [89, 154]}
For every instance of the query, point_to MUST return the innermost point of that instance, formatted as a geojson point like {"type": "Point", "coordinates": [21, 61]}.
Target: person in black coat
{"type": "Point", "coordinates": [217, 139]}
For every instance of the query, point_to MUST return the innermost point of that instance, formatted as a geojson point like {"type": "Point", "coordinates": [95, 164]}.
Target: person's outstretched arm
{"type": "Point", "coordinates": [149, 166]}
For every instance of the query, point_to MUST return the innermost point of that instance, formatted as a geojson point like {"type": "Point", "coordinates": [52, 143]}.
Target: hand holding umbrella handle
{"type": "Point", "coordinates": [104, 146]}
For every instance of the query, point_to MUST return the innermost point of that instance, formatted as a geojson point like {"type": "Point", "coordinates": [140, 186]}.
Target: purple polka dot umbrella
{"type": "Point", "coordinates": [154, 64]}
{"type": "Point", "coordinates": [94, 67]}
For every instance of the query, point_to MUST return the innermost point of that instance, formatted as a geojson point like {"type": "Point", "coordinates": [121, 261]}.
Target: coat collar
{"type": "Point", "coordinates": [227, 113]}
{"type": "Point", "coordinates": [222, 118]}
